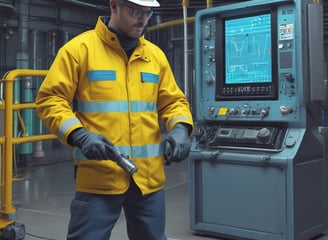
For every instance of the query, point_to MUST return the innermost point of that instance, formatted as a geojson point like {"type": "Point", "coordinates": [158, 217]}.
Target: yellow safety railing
{"type": "Point", "coordinates": [7, 140]}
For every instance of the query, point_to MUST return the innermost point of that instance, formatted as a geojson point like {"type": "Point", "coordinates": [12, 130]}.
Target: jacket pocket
{"type": "Point", "coordinates": [103, 84]}
{"type": "Point", "coordinates": [149, 84]}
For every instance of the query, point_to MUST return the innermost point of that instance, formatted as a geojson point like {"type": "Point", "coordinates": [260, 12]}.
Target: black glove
{"type": "Point", "coordinates": [92, 145]}
{"type": "Point", "coordinates": [177, 144]}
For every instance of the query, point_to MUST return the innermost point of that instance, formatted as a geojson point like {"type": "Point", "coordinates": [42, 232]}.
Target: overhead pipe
{"type": "Point", "coordinates": [175, 23]}
{"type": "Point", "coordinates": [168, 24]}
{"type": "Point", "coordinates": [5, 7]}
{"type": "Point", "coordinates": [88, 5]}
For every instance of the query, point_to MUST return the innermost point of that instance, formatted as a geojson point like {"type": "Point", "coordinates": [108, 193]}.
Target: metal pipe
{"type": "Point", "coordinates": [6, 166]}
{"type": "Point", "coordinates": [23, 89]}
{"type": "Point", "coordinates": [168, 24]}
{"type": "Point", "coordinates": [4, 5]}
{"type": "Point", "coordinates": [88, 5]}
{"type": "Point", "coordinates": [325, 142]}
{"type": "Point", "coordinates": [38, 151]}
{"type": "Point", "coordinates": [7, 209]}
{"type": "Point", "coordinates": [185, 4]}
{"type": "Point", "coordinates": [209, 3]}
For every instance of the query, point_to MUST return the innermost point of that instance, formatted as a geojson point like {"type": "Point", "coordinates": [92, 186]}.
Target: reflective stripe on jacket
{"type": "Point", "coordinates": [122, 99]}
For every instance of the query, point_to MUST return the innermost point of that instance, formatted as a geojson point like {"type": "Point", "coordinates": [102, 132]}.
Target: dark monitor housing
{"type": "Point", "coordinates": [246, 56]}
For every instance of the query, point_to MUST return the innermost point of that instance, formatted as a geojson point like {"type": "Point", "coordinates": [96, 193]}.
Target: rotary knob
{"type": "Point", "coordinates": [265, 112]}
{"type": "Point", "coordinates": [284, 110]}
{"type": "Point", "coordinates": [209, 80]}
{"type": "Point", "coordinates": [264, 134]}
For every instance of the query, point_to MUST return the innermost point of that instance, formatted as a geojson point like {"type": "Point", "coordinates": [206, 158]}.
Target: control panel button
{"type": "Point", "coordinates": [264, 134]}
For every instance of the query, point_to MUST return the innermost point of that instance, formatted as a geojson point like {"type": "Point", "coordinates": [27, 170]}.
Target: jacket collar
{"type": "Point", "coordinates": [110, 38]}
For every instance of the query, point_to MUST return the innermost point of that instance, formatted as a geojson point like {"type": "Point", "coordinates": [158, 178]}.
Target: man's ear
{"type": "Point", "coordinates": [113, 5]}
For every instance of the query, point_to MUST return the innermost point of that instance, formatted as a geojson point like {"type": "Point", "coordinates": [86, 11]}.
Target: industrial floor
{"type": "Point", "coordinates": [43, 189]}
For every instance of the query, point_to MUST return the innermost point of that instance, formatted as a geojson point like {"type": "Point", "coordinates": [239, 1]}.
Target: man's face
{"type": "Point", "coordinates": [132, 19]}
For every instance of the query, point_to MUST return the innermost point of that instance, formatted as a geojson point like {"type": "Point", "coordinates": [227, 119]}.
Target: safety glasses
{"type": "Point", "coordinates": [138, 13]}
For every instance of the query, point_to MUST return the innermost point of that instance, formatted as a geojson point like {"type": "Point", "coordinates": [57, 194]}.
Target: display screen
{"type": "Point", "coordinates": [247, 57]}
{"type": "Point", "coordinates": [248, 50]}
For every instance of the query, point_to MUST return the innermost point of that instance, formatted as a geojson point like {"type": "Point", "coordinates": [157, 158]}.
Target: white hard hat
{"type": "Point", "coordinates": [145, 3]}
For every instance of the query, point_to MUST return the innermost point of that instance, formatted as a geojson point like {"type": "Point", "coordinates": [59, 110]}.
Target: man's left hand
{"type": "Point", "coordinates": [177, 144]}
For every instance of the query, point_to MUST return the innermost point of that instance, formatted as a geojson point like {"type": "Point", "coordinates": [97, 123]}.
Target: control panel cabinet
{"type": "Point", "coordinates": [257, 168]}
{"type": "Point", "coordinates": [249, 183]}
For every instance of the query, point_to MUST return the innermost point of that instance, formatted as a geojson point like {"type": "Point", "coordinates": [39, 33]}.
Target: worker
{"type": "Point", "coordinates": [107, 93]}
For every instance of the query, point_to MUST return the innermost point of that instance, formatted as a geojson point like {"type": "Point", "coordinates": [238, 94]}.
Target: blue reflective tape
{"type": "Point", "coordinates": [101, 75]}
{"type": "Point", "coordinates": [146, 151]}
{"type": "Point", "coordinates": [137, 106]}
{"type": "Point", "coordinates": [126, 150]}
{"type": "Point", "coordinates": [66, 125]}
{"type": "Point", "coordinates": [116, 106]}
{"type": "Point", "coordinates": [149, 77]}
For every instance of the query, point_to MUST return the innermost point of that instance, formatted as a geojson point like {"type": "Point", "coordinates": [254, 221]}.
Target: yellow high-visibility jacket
{"type": "Point", "coordinates": [93, 84]}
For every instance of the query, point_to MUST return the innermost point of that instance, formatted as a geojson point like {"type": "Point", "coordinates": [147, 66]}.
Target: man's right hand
{"type": "Point", "coordinates": [92, 145]}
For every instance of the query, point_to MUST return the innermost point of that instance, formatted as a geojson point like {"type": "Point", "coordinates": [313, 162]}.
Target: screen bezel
{"type": "Point", "coordinates": [221, 56]}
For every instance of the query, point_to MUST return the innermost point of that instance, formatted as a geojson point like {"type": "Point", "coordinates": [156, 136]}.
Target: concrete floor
{"type": "Point", "coordinates": [43, 190]}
